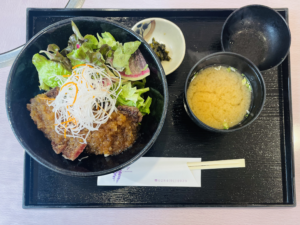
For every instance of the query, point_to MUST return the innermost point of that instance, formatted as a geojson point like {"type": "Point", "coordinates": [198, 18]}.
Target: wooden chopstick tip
{"type": "Point", "coordinates": [219, 164]}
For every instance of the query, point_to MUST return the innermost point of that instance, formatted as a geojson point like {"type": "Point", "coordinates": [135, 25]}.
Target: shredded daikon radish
{"type": "Point", "coordinates": [85, 101]}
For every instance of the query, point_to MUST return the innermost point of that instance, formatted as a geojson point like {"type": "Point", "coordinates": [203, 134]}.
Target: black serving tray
{"type": "Point", "coordinates": [267, 144]}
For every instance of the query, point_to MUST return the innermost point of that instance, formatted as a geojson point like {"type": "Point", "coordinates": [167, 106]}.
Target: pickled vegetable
{"type": "Point", "coordinates": [160, 50]}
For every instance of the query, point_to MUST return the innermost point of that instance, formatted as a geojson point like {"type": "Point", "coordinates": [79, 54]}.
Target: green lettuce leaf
{"type": "Point", "coordinates": [108, 39]}
{"type": "Point", "coordinates": [120, 60]}
{"type": "Point", "coordinates": [76, 40]}
{"type": "Point", "coordinates": [139, 83]}
{"type": "Point", "coordinates": [123, 54]}
{"type": "Point", "coordinates": [144, 107]}
{"type": "Point", "coordinates": [105, 51]}
{"type": "Point", "coordinates": [122, 101]}
{"type": "Point", "coordinates": [108, 36]}
{"type": "Point", "coordinates": [100, 41]}
{"type": "Point", "coordinates": [76, 31]}
{"type": "Point", "coordinates": [72, 44]}
{"type": "Point", "coordinates": [82, 50]}
{"type": "Point", "coordinates": [83, 55]}
{"type": "Point", "coordinates": [90, 42]}
{"type": "Point", "coordinates": [131, 96]}
{"type": "Point", "coordinates": [49, 72]}
{"type": "Point", "coordinates": [54, 55]}
{"type": "Point", "coordinates": [131, 47]}
{"type": "Point", "coordinates": [136, 65]}
{"type": "Point", "coordinates": [129, 93]}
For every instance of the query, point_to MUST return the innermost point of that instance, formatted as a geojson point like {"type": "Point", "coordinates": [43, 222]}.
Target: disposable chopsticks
{"type": "Point", "coordinates": [220, 164]}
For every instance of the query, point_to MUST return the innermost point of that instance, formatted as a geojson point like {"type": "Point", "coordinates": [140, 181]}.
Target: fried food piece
{"type": "Point", "coordinates": [112, 138]}
{"type": "Point", "coordinates": [117, 134]}
{"type": "Point", "coordinates": [42, 115]}
{"type": "Point", "coordinates": [132, 112]}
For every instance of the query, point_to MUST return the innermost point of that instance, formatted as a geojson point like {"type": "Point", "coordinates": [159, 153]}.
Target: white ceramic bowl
{"type": "Point", "coordinates": [164, 32]}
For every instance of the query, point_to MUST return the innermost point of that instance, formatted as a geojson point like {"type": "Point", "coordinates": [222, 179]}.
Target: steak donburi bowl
{"type": "Point", "coordinates": [26, 102]}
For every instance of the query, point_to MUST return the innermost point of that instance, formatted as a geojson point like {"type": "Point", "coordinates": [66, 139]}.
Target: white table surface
{"type": "Point", "coordinates": [12, 156]}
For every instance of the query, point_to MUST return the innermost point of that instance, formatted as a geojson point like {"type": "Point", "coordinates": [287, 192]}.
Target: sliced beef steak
{"type": "Point", "coordinates": [113, 137]}
{"type": "Point", "coordinates": [42, 115]}
{"type": "Point", "coordinates": [132, 112]}
{"type": "Point", "coordinates": [52, 93]}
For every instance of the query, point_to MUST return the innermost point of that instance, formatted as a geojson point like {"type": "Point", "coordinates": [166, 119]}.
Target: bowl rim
{"type": "Point", "coordinates": [180, 33]}
{"type": "Point", "coordinates": [195, 118]}
{"type": "Point", "coordinates": [268, 8]}
{"type": "Point", "coordinates": [44, 162]}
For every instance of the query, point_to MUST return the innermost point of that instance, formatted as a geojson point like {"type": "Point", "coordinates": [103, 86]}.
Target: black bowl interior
{"type": "Point", "coordinates": [23, 85]}
{"type": "Point", "coordinates": [259, 33]}
{"type": "Point", "coordinates": [244, 66]}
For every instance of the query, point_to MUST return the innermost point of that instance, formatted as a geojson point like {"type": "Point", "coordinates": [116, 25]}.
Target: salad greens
{"type": "Point", "coordinates": [103, 51]}
{"type": "Point", "coordinates": [131, 96]}
{"type": "Point", "coordinates": [82, 56]}
{"type": "Point", "coordinates": [49, 70]}
{"type": "Point", "coordinates": [123, 54]}
{"type": "Point", "coordinates": [108, 39]}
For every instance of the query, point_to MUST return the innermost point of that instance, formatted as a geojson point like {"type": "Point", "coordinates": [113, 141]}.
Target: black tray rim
{"type": "Point", "coordinates": [290, 173]}
{"type": "Point", "coordinates": [30, 9]}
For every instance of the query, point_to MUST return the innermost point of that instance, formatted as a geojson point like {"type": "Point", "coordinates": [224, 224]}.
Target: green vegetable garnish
{"type": "Point", "coordinates": [108, 39]}
{"type": "Point", "coordinates": [108, 36]}
{"type": "Point", "coordinates": [244, 81]}
{"type": "Point", "coordinates": [46, 68]}
{"type": "Point", "coordinates": [247, 114]}
{"type": "Point", "coordinates": [76, 40]}
{"type": "Point", "coordinates": [225, 126]}
{"type": "Point", "coordinates": [76, 31]}
{"type": "Point", "coordinates": [144, 107]}
{"type": "Point", "coordinates": [228, 69]}
{"type": "Point", "coordinates": [111, 51]}
{"type": "Point", "coordinates": [145, 67]}
{"type": "Point", "coordinates": [122, 55]}
{"type": "Point", "coordinates": [131, 47]}
{"type": "Point", "coordinates": [101, 51]}
{"type": "Point", "coordinates": [139, 84]}
{"type": "Point", "coordinates": [248, 86]}
{"type": "Point", "coordinates": [100, 41]}
{"type": "Point", "coordinates": [54, 55]}
{"type": "Point", "coordinates": [131, 96]}
{"type": "Point", "coordinates": [83, 55]}
{"type": "Point", "coordinates": [120, 60]}
{"type": "Point", "coordinates": [105, 51]}
{"type": "Point", "coordinates": [90, 42]}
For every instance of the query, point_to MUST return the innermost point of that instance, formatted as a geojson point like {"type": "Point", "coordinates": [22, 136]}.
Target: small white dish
{"type": "Point", "coordinates": [164, 32]}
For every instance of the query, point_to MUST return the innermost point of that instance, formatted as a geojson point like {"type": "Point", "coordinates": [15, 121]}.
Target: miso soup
{"type": "Point", "coordinates": [219, 96]}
